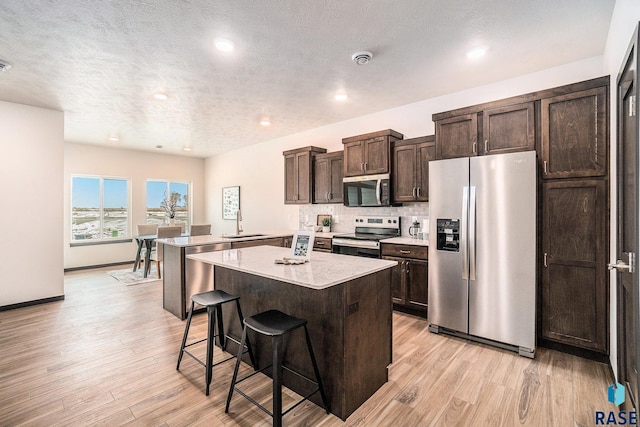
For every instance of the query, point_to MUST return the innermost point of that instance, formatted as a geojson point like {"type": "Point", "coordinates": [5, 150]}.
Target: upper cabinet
{"type": "Point", "coordinates": [495, 129]}
{"type": "Point", "coordinates": [369, 154]}
{"type": "Point", "coordinates": [410, 159]}
{"type": "Point", "coordinates": [574, 134]}
{"type": "Point", "coordinates": [508, 129]}
{"type": "Point", "coordinates": [328, 172]}
{"type": "Point", "coordinates": [457, 136]}
{"type": "Point", "coordinates": [298, 174]}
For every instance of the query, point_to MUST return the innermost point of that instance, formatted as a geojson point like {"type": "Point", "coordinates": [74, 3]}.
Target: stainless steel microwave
{"type": "Point", "coordinates": [369, 190]}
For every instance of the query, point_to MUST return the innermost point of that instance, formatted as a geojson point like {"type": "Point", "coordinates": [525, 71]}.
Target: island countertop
{"type": "Point", "coordinates": [323, 271]}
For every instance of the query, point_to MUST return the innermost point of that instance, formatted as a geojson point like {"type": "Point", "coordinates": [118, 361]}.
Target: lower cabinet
{"type": "Point", "coordinates": [322, 244]}
{"type": "Point", "coordinates": [409, 279]}
{"type": "Point", "coordinates": [271, 241]}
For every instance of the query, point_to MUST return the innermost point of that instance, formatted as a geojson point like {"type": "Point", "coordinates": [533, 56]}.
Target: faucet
{"type": "Point", "coordinates": [238, 219]}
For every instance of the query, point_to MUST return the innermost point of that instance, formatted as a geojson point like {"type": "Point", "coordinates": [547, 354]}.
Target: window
{"type": "Point", "coordinates": [99, 208]}
{"type": "Point", "coordinates": [157, 191]}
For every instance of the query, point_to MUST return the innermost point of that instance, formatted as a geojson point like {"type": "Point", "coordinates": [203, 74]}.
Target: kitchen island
{"type": "Point", "coordinates": [183, 277]}
{"type": "Point", "coordinates": [346, 301]}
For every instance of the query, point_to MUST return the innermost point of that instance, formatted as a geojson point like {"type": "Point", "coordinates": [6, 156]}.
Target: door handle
{"type": "Point", "coordinates": [413, 192]}
{"type": "Point", "coordinates": [418, 192]}
{"type": "Point", "coordinates": [620, 265]}
{"type": "Point", "coordinates": [472, 233]}
{"type": "Point", "coordinates": [463, 233]}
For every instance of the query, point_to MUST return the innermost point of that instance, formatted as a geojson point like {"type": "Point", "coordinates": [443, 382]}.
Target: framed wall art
{"type": "Point", "coordinates": [230, 202]}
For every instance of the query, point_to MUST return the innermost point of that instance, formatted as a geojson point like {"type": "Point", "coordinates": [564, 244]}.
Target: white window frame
{"type": "Point", "coordinates": [101, 239]}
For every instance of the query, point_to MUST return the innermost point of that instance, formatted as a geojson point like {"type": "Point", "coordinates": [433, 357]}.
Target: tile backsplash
{"type": "Point", "coordinates": [343, 216]}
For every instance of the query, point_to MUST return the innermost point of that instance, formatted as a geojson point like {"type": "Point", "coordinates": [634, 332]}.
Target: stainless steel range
{"type": "Point", "coordinates": [369, 230]}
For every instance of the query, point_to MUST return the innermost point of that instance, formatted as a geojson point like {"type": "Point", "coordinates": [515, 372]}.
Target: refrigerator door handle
{"type": "Point", "coordinates": [463, 233]}
{"type": "Point", "coordinates": [472, 233]}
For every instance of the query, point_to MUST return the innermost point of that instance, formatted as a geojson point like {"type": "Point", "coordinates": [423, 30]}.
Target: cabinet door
{"type": "Point", "coordinates": [376, 155]}
{"type": "Point", "coordinates": [575, 134]}
{"type": "Point", "coordinates": [457, 137]}
{"type": "Point", "coordinates": [417, 282]}
{"type": "Point", "coordinates": [397, 280]}
{"type": "Point", "coordinates": [424, 154]}
{"type": "Point", "coordinates": [404, 173]}
{"type": "Point", "coordinates": [321, 180]}
{"type": "Point", "coordinates": [574, 307]}
{"type": "Point", "coordinates": [303, 173]}
{"type": "Point", "coordinates": [336, 170]}
{"type": "Point", "coordinates": [508, 129]}
{"type": "Point", "coordinates": [353, 158]}
{"type": "Point", "coordinates": [290, 183]}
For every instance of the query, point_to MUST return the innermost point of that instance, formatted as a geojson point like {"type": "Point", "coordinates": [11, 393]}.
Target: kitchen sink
{"type": "Point", "coordinates": [241, 235]}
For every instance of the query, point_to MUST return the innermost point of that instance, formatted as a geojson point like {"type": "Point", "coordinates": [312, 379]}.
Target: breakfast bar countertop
{"type": "Point", "coordinates": [322, 271]}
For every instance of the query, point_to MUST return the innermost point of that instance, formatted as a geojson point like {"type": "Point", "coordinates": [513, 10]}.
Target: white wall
{"type": "Point", "coordinates": [138, 166]}
{"type": "Point", "coordinates": [626, 15]}
{"type": "Point", "coordinates": [31, 175]}
{"type": "Point", "coordinates": [259, 169]}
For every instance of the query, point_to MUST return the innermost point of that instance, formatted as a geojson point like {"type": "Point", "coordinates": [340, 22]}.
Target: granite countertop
{"type": "Point", "coordinates": [406, 241]}
{"type": "Point", "coordinates": [323, 271]}
{"type": "Point", "coordinates": [212, 239]}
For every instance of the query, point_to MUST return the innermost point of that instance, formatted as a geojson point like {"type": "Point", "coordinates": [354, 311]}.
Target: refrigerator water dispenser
{"type": "Point", "coordinates": [448, 235]}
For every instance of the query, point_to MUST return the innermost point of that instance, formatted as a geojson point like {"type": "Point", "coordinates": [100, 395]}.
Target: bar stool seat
{"type": "Point", "coordinates": [213, 301]}
{"type": "Point", "coordinates": [276, 324]}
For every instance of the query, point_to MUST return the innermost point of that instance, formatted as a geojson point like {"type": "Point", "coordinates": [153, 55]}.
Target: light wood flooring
{"type": "Point", "coordinates": [106, 356]}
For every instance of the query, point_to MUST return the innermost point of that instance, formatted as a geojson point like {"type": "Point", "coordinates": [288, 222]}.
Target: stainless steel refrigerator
{"type": "Point", "coordinates": [482, 248]}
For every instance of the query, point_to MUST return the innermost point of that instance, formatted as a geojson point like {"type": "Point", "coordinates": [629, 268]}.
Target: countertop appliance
{"type": "Point", "coordinates": [482, 265]}
{"type": "Point", "coordinates": [367, 190]}
{"type": "Point", "coordinates": [365, 241]}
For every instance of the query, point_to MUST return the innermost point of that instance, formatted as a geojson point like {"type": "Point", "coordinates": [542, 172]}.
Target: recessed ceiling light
{"type": "Point", "coordinates": [114, 138]}
{"type": "Point", "coordinates": [265, 122]}
{"type": "Point", "coordinates": [224, 45]}
{"type": "Point", "coordinates": [160, 96]}
{"type": "Point", "coordinates": [187, 148]}
{"type": "Point", "coordinates": [158, 146]}
{"type": "Point", "coordinates": [341, 96]}
{"type": "Point", "coordinates": [476, 53]}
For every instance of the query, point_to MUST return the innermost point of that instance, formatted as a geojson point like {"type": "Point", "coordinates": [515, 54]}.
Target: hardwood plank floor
{"type": "Point", "coordinates": [106, 356]}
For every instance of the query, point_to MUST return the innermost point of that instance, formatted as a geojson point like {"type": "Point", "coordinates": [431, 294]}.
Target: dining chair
{"type": "Point", "coordinates": [143, 230]}
{"type": "Point", "coordinates": [163, 233]}
{"type": "Point", "coordinates": [200, 230]}
{"type": "Point", "coordinates": [182, 225]}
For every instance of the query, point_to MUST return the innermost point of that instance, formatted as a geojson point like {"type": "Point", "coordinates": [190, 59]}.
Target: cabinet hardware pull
{"type": "Point", "coordinates": [486, 146]}
{"type": "Point", "coordinates": [418, 192]}
{"type": "Point", "coordinates": [361, 166]}
{"type": "Point", "coordinates": [407, 267]}
{"type": "Point", "coordinates": [545, 167]}
{"type": "Point", "coordinates": [365, 166]}
{"type": "Point", "coordinates": [545, 260]}
{"type": "Point", "coordinates": [474, 148]}
{"type": "Point", "coordinates": [413, 192]}
{"type": "Point", "coordinates": [402, 251]}
{"type": "Point", "coordinates": [320, 243]}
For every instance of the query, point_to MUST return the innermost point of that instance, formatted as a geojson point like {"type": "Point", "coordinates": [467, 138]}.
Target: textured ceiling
{"type": "Point", "coordinates": [101, 61]}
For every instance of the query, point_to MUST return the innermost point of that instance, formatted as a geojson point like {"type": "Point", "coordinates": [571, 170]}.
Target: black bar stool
{"type": "Point", "coordinates": [276, 324]}
{"type": "Point", "coordinates": [213, 300]}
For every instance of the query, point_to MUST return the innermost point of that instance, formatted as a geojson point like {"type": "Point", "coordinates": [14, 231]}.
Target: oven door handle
{"type": "Point", "coordinates": [378, 191]}
{"type": "Point", "coordinates": [355, 244]}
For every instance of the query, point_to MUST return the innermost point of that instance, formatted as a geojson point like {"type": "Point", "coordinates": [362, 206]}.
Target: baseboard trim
{"type": "Point", "coordinates": [91, 267]}
{"type": "Point", "coordinates": [30, 303]}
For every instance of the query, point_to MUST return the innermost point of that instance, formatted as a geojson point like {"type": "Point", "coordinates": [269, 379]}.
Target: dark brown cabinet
{"type": "Point", "coordinates": [322, 244]}
{"type": "Point", "coordinates": [298, 174]}
{"type": "Point", "coordinates": [457, 136]}
{"type": "Point", "coordinates": [508, 129]}
{"type": "Point", "coordinates": [575, 134]}
{"type": "Point", "coordinates": [328, 173]}
{"type": "Point", "coordinates": [271, 241]}
{"type": "Point", "coordinates": [370, 153]}
{"type": "Point", "coordinates": [491, 129]}
{"type": "Point", "coordinates": [409, 279]}
{"type": "Point", "coordinates": [574, 282]}
{"type": "Point", "coordinates": [410, 174]}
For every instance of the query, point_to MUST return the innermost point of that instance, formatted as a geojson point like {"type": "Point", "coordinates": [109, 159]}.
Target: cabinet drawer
{"type": "Point", "coordinates": [273, 241]}
{"type": "Point", "coordinates": [406, 251]}
{"type": "Point", "coordinates": [322, 244]}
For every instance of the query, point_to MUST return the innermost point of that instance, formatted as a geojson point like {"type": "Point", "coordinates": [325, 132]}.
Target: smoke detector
{"type": "Point", "coordinates": [362, 57]}
{"type": "Point", "coordinates": [4, 66]}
